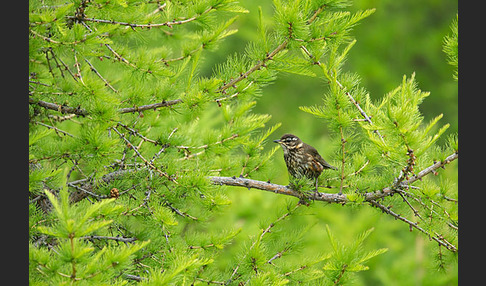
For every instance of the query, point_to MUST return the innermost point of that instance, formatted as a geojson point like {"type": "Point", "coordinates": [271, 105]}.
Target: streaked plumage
{"type": "Point", "coordinates": [302, 160]}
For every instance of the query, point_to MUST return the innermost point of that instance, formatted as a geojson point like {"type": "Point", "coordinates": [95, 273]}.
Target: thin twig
{"type": "Point", "coordinates": [47, 39]}
{"type": "Point", "coordinates": [265, 231]}
{"type": "Point", "coordinates": [134, 25]}
{"type": "Point", "coordinates": [149, 164]}
{"type": "Point", "coordinates": [154, 106]}
{"type": "Point", "coordinates": [78, 67]}
{"type": "Point", "coordinates": [116, 238]}
{"type": "Point", "coordinates": [441, 240]}
{"type": "Point", "coordinates": [361, 111]}
{"type": "Point", "coordinates": [59, 107]}
{"type": "Point", "coordinates": [415, 212]}
{"type": "Point", "coordinates": [343, 142]}
{"type": "Point", "coordinates": [100, 76]}
{"type": "Point", "coordinates": [159, 8]}
{"type": "Point", "coordinates": [316, 13]}
{"type": "Point", "coordinates": [343, 270]}
{"type": "Point", "coordinates": [54, 128]}
{"type": "Point", "coordinates": [136, 133]}
{"type": "Point", "coordinates": [187, 151]}
{"type": "Point", "coordinates": [256, 67]}
{"type": "Point", "coordinates": [351, 98]}
{"type": "Point", "coordinates": [165, 146]}
{"type": "Point", "coordinates": [79, 111]}
{"type": "Point", "coordinates": [431, 169]}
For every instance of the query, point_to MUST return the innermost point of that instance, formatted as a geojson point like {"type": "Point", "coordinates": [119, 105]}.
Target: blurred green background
{"type": "Point", "coordinates": [400, 38]}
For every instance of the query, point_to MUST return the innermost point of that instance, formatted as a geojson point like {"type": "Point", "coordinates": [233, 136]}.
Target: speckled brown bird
{"type": "Point", "coordinates": [302, 160]}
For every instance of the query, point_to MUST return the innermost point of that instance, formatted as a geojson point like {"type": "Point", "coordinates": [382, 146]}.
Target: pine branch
{"type": "Point", "coordinates": [116, 238]}
{"type": "Point", "coordinates": [341, 273]}
{"type": "Point", "coordinates": [437, 237]}
{"type": "Point", "coordinates": [135, 25]}
{"type": "Point", "coordinates": [361, 111]}
{"type": "Point", "coordinates": [147, 163]}
{"type": "Point", "coordinates": [265, 231]}
{"type": "Point", "coordinates": [59, 107]}
{"type": "Point", "coordinates": [326, 197]}
{"type": "Point", "coordinates": [49, 40]}
{"type": "Point", "coordinates": [351, 98]}
{"type": "Point", "coordinates": [256, 67]}
{"type": "Point", "coordinates": [54, 128]}
{"type": "Point", "coordinates": [431, 169]}
{"type": "Point", "coordinates": [370, 197]}
{"type": "Point", "coordinates": [100, 76]}
{"type": "Point", "coordinates": [164, 103]}
{"type": "Point", "coordinates": [83, 112]}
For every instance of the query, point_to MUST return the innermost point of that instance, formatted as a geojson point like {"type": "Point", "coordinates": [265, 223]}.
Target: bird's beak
{"type": "Point", "coordinates": [276, 141]}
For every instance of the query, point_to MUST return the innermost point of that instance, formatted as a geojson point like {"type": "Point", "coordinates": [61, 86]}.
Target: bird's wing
{"type": "Point", "coordinates": [319, 158]}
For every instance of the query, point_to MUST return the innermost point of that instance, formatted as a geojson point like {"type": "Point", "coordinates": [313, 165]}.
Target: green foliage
{"type": "Point", "coordinates": [72, 258]}
{"type": "Point", "coordinates": [451, 47]}
{"type": "Point", "coordinates": [129, 114]}
{"type": "Point", "coordinates": [346, 259]}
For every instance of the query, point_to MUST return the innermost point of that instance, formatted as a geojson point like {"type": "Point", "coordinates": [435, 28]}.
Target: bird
{"type": "Point", "coordinates": [302, 160]}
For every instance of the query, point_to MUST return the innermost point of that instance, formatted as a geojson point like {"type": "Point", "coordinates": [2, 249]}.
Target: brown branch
{"type": "Point", "coordinates": [134, 25]}
{"type": "Point", "coordinates": [265, 231]}
{"type": "Point", "coordinates": [341, 273]}
{"type": "Point", "coordinates": [370, 197]}
{"type": "Point", "coordinates": [116, 238]}
{"type": "Point", "coordinates": [147, 163]}
{"type": "Point", "coordinates": [164, 103]}
{"type": "Point", "coordinates": [269, 57]}
{"type": "Point", "coordinates": [256, 67]}
{"type": "Point", "coordinates": [58, 107]}
{"type": "Point", "coordinates": [316, 13]}
{"type": "Point", "coordinates": [441, 240]}
{"type": "Point", "coordinates": [361, 111]}
{"type": "Point", "coordinates": [79, 111]}
{"type": "Point", "coordinates": [431, 169]}
{"type": "Point", "coordinates": [351, 98]}
{"type": "Point", "coordinates": [325, 197]}
{"type": "Point", "coordinates": [49, 40]}
{"type": "Point", "coordinates": [274, 188]}
{"type": "Point", "coordinates": [54, 128]}
{"type": "Point", "coordinates": [100, 76]}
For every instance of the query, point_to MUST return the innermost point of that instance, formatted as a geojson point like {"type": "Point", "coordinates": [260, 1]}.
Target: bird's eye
{"type": "Point", "coordinates": [294, 138]}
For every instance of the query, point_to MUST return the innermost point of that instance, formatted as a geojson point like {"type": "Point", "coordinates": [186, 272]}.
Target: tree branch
{"type": "Point", "coordinates": [116, 238]}
{"type": "Point", "coordinates": [83, 112]}
{"type": "Point", "coordinates": [431, 169]}
{"type": "Point", "coordinates": [256, 67]}
{"type": "Point", "coordinates": [274, 188]}
{"type": "Point", "coordinates": [59, 107]}
{"type": "Point", "coordinates": [441, 240]}
{"type": "Point", "coordinates": [326, 197]}
{"type": "Point", "coordinates": [370, 197]}
{"type": "Point", "coordinates": [164, 103]}
{"type": "Point", "coordinates": [134, 25]}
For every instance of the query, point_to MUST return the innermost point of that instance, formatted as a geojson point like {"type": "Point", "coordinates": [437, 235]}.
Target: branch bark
{"type": "Point", "coordinates": [83, 112]}
{"type": "Point", "coordinates": [326, 197]}
{"type": "Point", "coordinates": [58, 107]}
{"type": "Point", "coordinates": [370, 197]}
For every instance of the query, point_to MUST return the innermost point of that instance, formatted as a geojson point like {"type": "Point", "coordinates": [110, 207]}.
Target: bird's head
{"type": "Point", "coordinates": [289, 141]}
